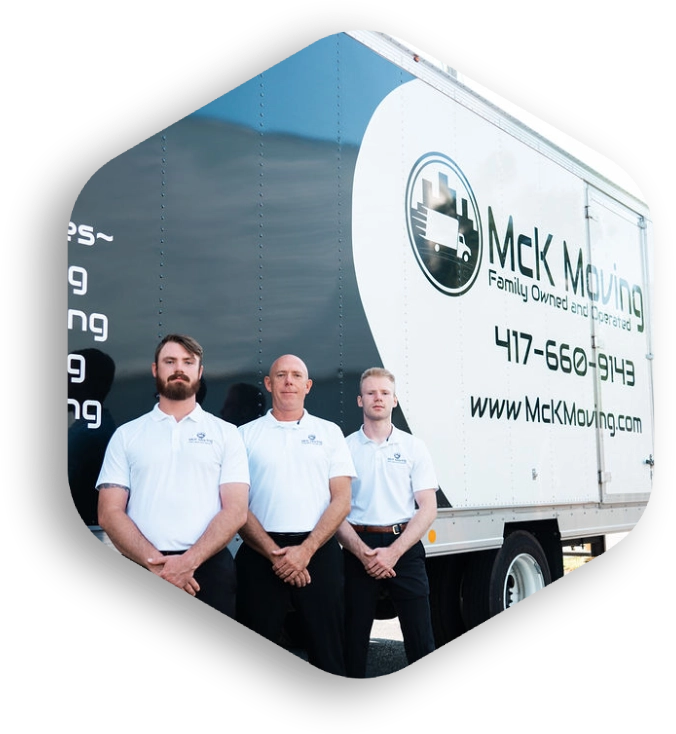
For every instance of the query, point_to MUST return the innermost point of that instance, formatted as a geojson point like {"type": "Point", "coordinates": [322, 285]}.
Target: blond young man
{"type": "Point", "coordinates": [393, 506]}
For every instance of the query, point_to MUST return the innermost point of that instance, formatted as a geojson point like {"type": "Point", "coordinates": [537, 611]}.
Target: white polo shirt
{"type": "Point", "coordinates": [173, 471]}
{"type": "Point", "coordinates": [388, 476]}
{"type": "Point", "coordinates": [291, 464]}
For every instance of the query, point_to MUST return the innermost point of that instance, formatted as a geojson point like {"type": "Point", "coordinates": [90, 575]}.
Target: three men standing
{"type": "Point", "coordinates": [177, 484]}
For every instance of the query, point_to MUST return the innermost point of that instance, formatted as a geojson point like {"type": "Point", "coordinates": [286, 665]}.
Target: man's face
{"type": "Point", "coordinates": [177, 372]}
{"type": "Point", "coordinates": [288, 383]}
{"type": "Point", "coordinates": [377, 398]}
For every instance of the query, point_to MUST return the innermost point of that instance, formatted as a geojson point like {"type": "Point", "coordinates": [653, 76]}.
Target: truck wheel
{"type": "Point", "coordinates": [496, 580]}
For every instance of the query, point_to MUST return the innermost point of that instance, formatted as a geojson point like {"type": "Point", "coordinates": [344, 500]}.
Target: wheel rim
{"type": "Point", "coordinates": [524, 577]}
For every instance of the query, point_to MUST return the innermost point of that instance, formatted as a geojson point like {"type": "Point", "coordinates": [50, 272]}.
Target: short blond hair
{"type": "Point", "coordinates": [376, 372]}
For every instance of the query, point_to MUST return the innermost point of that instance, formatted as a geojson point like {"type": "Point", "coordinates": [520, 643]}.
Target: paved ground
{"type": "Point", "coordinates": [386, 652]}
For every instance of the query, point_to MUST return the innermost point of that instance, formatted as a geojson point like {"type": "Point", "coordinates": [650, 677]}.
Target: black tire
{"type": "Point", "coordinates": [496, 580]}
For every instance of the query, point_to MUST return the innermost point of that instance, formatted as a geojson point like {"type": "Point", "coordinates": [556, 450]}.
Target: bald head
{"type": "Point", "coordinates": [288, 383]}
{"type": "Point", "coordinates": [289, 362]}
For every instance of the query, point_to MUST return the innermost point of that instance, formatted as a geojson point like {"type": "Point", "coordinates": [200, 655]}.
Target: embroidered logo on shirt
{"type": "Point", "coordinates": [396, 459]}
{"type": "Point", "coordinates": [311, 440]}
{"type": "Point", "coordinates": [201, 438]}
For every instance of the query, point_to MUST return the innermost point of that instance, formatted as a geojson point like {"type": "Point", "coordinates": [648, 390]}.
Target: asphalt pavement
{"type": "Point", "coordinates": [386, 651]}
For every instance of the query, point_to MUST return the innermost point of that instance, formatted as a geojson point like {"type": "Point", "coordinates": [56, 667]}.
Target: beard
{"type": "Point", "coordinates": [176, 387]}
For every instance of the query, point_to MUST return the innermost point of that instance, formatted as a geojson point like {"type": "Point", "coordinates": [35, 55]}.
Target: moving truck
{"type": "Point", "coordinates": [358, 206]}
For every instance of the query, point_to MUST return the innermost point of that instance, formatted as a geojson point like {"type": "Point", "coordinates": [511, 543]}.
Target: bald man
{"type": "Point", "coordinates": [301, 473]}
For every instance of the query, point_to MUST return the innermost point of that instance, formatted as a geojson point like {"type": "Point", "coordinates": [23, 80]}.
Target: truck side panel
{"type": "Point", "coordinates": [496, 362]}
{"type": "Point", "coordinates": [290, 214]}
{"type": "Point", "coordinates": [233, 225]}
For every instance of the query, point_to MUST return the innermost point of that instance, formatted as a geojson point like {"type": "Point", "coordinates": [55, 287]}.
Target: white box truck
{"type": "Point", "coordinates": [358, 206]}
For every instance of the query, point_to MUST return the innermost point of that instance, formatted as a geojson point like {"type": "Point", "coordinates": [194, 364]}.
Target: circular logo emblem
{"type": "Point", "coordinates": [443, 223]}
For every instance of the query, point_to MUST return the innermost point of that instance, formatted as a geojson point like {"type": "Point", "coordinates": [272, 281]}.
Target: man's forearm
{"type": "Point", "coordinates": [418, 525]}
{"type": "Point", "coordinates": [330, 521]}
{"type": "Point", "coordinates": [349, 539]}
{"type": "Point", "coordinates": [255, 536]}
{"type": "Point", "coordinates": [220, 531]}
{"type": "Point", "coordinates": [127, 538]}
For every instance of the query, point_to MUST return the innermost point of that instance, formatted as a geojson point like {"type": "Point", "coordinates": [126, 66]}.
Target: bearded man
{"type": "Point", "coordinates": [174, 484]}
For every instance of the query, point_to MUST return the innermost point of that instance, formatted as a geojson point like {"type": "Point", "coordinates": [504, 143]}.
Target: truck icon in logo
{"type": "Point", "coordinates": [444, 226]}
{"type": "Point", "coordinates": [443, 231]}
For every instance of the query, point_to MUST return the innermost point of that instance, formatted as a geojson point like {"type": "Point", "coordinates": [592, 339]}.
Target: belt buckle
{"type": "Point", "coordinates": [396, 529]}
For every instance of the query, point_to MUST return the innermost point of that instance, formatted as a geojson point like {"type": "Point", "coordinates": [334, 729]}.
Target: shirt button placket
{"type": "Point", "coordinates": [175, 438]}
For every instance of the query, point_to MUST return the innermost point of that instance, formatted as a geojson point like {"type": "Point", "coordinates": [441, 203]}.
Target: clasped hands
{"type": "Point", "coordinates": [175, 570]}
{"type": "Point", "coordinates": [290, 565]}
{"type": "Point", "coordinates": [379, 563]}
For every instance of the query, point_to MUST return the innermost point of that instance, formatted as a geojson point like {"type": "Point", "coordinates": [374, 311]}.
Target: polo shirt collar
{"type": "Point", "coordinates": [392, 439]}
{"type": "Point", "coordinates": [284, 424]}
{"type": "Point", "coordinates": [195, 415]}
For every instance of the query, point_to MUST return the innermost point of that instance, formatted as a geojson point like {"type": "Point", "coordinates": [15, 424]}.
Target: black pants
{"type": "Point", "coordinates": [217, 578]}
{"type": "Point", "coordinates": [409, 591]}
{"type": "Point", "coordinates": [263, 600]}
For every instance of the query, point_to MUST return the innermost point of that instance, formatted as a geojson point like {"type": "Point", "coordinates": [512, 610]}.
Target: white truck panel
{"type": "Point", "coordinates": [461, 359]}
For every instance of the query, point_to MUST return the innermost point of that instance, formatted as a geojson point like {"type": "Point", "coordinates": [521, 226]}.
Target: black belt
{"type": "Point", "coordinates": [394, 529]}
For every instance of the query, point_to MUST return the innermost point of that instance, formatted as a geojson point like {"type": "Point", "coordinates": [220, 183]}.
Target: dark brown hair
{"type": "Point", "coordinates": [187, 342]}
